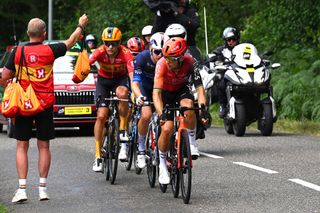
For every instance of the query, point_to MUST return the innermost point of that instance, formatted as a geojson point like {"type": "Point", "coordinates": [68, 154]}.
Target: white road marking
{"type": "Point", "coordinates": [256, 167]}
{"type": "Point", "coordinates": [306, 184]}
{"type": "Point", "coordinates": [210, 155]}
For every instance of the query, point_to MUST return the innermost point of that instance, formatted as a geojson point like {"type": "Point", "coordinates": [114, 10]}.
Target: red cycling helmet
{"type": "Point", "coordinates": [135, 44]}
{"type": "Point", "coordinates": [175, 47]}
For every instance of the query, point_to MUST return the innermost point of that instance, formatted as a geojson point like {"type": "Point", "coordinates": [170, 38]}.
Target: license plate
{"type": "Point", "coordinates": [77, 110]}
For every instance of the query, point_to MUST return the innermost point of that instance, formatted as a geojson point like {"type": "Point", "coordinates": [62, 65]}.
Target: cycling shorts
{"type": "Point", "coordinates": [107, 85]}
{"type": "Point", "coordinates": [171, 98]}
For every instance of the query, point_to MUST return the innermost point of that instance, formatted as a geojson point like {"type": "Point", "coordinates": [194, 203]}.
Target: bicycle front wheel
{"type": "Point", "coordinates": [113, 149]}
{"type": "Point", "coordinates": [151, 160]}
{"type": "Point", "coordinates": [185, 166]}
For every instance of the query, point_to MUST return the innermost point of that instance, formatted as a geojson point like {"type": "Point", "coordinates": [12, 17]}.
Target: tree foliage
{"type": "Point", "coordinates": [288, 27]}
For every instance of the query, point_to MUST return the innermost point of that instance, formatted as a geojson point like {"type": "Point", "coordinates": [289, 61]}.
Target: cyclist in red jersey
{"type": "Point", "coordinates": [114, 60]}
{"type": "Point", "coordinates": [135, 45]}
{"type": "Point", "coordinates": [174, 76]}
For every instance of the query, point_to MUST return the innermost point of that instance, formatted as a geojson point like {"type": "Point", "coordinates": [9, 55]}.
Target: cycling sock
{"type": "Point", "coordinates": [98, 149]}
{"type": "Point", "coordinates": [163, 158]}
{"type": "Point", "coordinates": [22, 184]}
{"type": "Point", "coordinates": [141, 140]}
{"type": "Point", "coordinates": [192, 135]}
{"type": "Point", "coordinates": [42, 184]}
{"type": "Point", "coordinates": [123, 123]}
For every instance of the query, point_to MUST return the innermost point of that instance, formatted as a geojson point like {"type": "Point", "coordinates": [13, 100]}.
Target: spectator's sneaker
{"type": "Point", "coordinates": [20, 196]}
{"type": "Point", "coordinates": [141, 160]}
{"type": "Point", "coordinates": [43, 195]}
{"type": "Point", "coordinates": [194, 151]}
{"type": "Point", "coordinates": [222, 110]}
{"type": "Point", "coordinates": [124, 136]}
{"type": "Point", "coordinates": [97, 165]}
{"type": "Point", "coordinates": [163, 175]}
{"type": "Point", "coordinates": [123, 153]}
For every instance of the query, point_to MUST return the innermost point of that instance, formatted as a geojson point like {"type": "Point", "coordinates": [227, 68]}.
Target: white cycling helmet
{"type": "Point", "coordinates": [90, 37]}
{"type": "Point", "coordinates": [146, 30]}
{"type": "Point", "coordinates": [157, 40]}
{"type": "Point", "coordinates": [176, 30]}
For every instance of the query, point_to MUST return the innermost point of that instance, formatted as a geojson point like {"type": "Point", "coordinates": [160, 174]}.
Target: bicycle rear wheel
{"type": "Point", "coordinates": [174, 172]}
{"type": "Point", "coordinates": [130, 145]}
{"type": "Point", "coordinates": [135, 150]}
{"type": "Point", "coordinates": [113, 149]}
{"type": "Point", "coordinates": [185, 166]}
{"type": "Point", "coordinates": [150, 157]}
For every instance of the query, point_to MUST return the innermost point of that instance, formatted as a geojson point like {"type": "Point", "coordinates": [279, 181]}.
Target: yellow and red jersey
{"type": "Point", "coordinates": [38, 71]}
{"type": "Point", "coordinates": [119, 67]}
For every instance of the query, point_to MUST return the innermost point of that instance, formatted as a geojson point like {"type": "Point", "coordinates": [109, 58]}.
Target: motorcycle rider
{"type": "Point", "coordinates": [146, 34]}
{"type": "Point", "coordinates": [223, 54]}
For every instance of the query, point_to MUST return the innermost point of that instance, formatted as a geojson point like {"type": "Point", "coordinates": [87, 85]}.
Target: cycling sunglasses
{"type": "Point", "coordinates": [134, 53]}
{"type": "Point", "coordinates": [173, 59]}
{"type": "Point", "coordinates": [157, 52]}
{"type": "Point", "coordinates": [111, 43]}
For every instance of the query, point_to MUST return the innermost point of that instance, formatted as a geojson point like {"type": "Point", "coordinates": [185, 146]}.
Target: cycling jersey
{"type": "Point", "coordinates": [168, 80]}
{"type": "Point", "coordinates": [144, 69]}
{"type": "Point", "coordinates": [112, 69]}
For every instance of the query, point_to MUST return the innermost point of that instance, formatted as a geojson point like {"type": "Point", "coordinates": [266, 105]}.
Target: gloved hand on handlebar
{"type": "Point", "coordinates": [140, 100]}
{"type": "Point", "coordinates": [205, 117]}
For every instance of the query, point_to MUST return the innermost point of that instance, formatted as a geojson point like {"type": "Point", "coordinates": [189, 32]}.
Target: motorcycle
{"type": "Point", "coordinates": [249, 92]}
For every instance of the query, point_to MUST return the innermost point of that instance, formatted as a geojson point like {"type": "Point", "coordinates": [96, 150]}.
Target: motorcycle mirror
{"type": "Point", "coordinates": [268, 53]}
{"type": "Point", "coordinates": [275, 65]}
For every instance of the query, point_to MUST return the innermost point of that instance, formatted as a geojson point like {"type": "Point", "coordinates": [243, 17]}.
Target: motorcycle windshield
{"type": "Point", "coordinates": [246, 55]}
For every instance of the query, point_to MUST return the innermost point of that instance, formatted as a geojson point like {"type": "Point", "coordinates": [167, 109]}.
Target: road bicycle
{"type": "Point", "coordinates": [152, 152]}
{"type": "Point", "coordinates": [111, 141]}
{"type": "Point", "coordinates": [133, 137]}
{"type": "Point", "coordinates": [179, 160]}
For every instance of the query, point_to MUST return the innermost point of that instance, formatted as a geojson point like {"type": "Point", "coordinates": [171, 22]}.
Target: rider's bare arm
{"type": "Point", "coordinates": [83, 21]}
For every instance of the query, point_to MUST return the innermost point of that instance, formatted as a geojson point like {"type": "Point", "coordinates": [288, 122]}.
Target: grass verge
{"type": "Point", "coordinates": [287, 126]}
{"type": "Point", "coordinates": [3, 209]}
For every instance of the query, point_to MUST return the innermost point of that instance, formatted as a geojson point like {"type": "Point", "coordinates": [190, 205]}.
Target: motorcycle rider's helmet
{"type": "Point", "coordinates": [175, 47]}
{"type": "Point", "coordinates": [111, 34]}
{"type": "Point", "coordinates": [231, 32]}
{"type": "Point", "coordinates": [91, 38]}
{"type": "Point", "coordinates": [146, 30]}
{"type": "Point", "coordinates": [176, 30]}
{"type": "Point", "coordinates": [157, 41]}
{"type": "Point", "coordinates": [135, 45]}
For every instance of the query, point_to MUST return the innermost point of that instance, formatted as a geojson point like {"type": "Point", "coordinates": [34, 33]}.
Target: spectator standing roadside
{"type": "Point", "coordinates": [183, 14]}
{"type": "Point", "coordinates": [38, 57]}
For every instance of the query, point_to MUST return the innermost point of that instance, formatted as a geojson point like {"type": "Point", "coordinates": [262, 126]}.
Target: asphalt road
{"type": "Point", "coordinates": [280, 173]}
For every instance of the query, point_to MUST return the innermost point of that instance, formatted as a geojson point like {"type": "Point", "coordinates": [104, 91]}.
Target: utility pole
{"type": "Point", "coordinates": [49, 19]}
{"type": "Point", "coordinates": [205, 29]}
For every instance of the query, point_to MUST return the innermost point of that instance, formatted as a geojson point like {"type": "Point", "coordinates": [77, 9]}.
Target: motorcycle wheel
{"type": "Point", "coordinates": [266, 120]}
{"type": "Point", "coordinates": [228, 126]}
{"type": "Point", "coordinates": [239, 124]}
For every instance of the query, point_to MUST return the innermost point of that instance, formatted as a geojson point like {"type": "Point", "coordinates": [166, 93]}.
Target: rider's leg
{"type": "Point", "coordinates": [122, 93]}
{"type": "Point", "coordinates": [102, 113]}
{"type": "Point", "coordinates": [146, 114]}
{"type": "Point", "coordinates": [191, 122]}
{"type": "Point", "coordinates": [164, 146]}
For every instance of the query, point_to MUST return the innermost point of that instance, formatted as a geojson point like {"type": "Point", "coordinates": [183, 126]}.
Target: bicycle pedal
{"type": "Point", "coordinates": [195, 157]}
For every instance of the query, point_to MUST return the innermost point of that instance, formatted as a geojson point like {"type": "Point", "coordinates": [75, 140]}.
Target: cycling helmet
{"type": "Point", "coordinates": [176, 30]}
{"type": "Point", "coordinates": [231, 32]}
{"type": "Point", "coordinates": [157, 41]}
{"type": "Point", "coordinates": [135, 44]}
{"type": "Point", "coordinates": [175, 47]}
{"type": "Point", "coordinates": [111, 34]}
{"type": "Point", "coordinates": [146, 30]}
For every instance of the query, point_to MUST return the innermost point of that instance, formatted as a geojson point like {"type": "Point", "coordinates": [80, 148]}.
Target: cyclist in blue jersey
{"type": "Point", "coordinates": [142, 86]}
